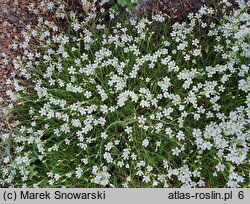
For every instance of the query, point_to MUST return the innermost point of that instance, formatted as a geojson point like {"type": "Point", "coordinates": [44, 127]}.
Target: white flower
{"type": "Point", "coordinates": [57, 177]}
{"type": "Point", "coordinates": [145, 143]}
{"type": "Point", "coordinates": [68, 174]}
{"type": "Point", "coordinates": [51, 182]}
{"type": "Point", "coordinates": [146, 179]}
{"type": "Point", "coordinates": [176, 151]}
{"type": "Point", "coordinates": [220, 167]}
{"type": "Point", "coordinates": [76, 123]}
{"type": "Point", "coordinates": [109, 146]}
{"type": "Point", "coordinates": [107, 156]}
{"type": "Point", "coordinates": [67, 141]}
{"type": "Point", "coordinates": [78, 172]}
{"type": "Point", "coordinates": [104, 135]}
{"type": "Point", "coordinates": [128, 130]}
{"type": "Point", "coordinates": [180, 135]}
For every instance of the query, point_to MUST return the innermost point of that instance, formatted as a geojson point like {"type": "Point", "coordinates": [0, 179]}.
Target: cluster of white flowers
{"type": "Point", "coordinates": [116, 107]}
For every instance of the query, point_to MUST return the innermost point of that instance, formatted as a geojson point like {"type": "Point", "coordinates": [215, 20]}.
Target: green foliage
{"type": "Point", "coordinates": [120, 5]}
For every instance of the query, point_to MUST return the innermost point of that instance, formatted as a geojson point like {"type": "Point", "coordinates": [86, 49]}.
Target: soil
{"type": "Point", "coordinates": [177, 10]}
{"type": "Point", "coordinates": [14, 17]}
